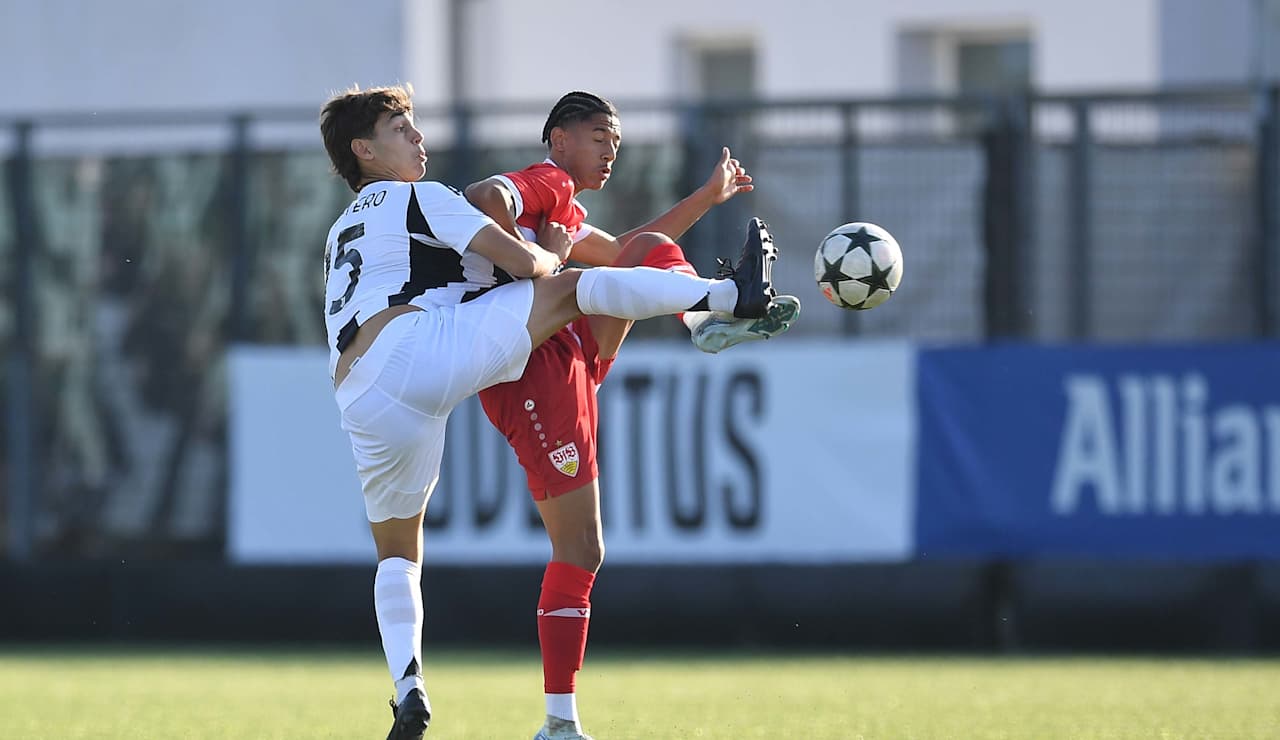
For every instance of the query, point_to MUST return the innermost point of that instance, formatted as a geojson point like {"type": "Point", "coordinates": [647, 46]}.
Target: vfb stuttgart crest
{"type": "Point", "coordinates": [565, 459]}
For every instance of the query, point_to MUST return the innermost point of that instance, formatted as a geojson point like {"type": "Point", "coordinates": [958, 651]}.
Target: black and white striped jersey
{"type": "Point", "coordinates": [398, 243]}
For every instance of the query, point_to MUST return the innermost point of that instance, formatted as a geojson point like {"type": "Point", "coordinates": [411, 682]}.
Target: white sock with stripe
{"type": "Point", "coordinates": [397, 601]}
{"type": "Point", "coordinates": [644, 292]}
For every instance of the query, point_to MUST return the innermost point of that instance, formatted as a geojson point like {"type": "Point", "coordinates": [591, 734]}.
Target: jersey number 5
{"type": "Point", "coordinates": [345, 256]}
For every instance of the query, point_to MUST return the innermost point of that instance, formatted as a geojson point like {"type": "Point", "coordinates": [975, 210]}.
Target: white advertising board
{"type": "Point", "coordinates": [791, 452]}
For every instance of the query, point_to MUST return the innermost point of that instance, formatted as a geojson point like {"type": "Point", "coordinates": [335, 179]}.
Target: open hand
{"type": "Point", "coordinates": [728, 178]}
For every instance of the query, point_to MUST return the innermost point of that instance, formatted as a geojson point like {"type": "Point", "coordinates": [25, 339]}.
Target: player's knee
{"type": "Point", "coordinates": [585, 549]}
{"type": "Point", "coordinates": [647, 240]}
{"type": "Point", "coordinates": [404, 549]}
{"type": "Point", "coordinates": [593, 555]}
{"type": "Point", "coordinates": [398, 538]}
{"type": "Point", "coordinates": [562, 288]}
{"type": "Point", "coordinates": [638, 247]}
{"type": "Point", "coordinates": [573, 279]}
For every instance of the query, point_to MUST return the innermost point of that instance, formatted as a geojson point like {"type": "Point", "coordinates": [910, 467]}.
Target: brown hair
{"type": "Point", "coordinates": [352, 114]}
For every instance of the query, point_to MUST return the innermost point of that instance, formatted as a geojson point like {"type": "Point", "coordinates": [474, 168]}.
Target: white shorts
{"type": "Point", "coordinates": [398, 395]}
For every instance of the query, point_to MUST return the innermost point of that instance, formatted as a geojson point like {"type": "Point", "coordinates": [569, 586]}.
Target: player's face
{"type": "Point", "coordinates": [590, 147]}
{"type": "Point", "coordinates": [397, 147]}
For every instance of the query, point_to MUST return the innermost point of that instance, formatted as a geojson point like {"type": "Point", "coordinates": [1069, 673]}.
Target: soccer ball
{"type": "Point", "coordinates": [858, 266]}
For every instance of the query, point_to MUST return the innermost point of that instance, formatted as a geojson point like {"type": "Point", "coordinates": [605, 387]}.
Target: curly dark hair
{"type": "Point", "coordinates": [573, 107]}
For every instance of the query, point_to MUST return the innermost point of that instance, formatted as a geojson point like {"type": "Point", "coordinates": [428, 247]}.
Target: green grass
{"type": "Point", "coordinates": [118, 694]}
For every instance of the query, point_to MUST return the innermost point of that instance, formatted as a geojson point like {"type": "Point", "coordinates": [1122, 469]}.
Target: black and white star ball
{"type": "Point", "coordinates": [858, 266]}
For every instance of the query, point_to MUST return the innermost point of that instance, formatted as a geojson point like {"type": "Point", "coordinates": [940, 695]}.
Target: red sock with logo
{"type": "Point", "coordinates": [564, 611]}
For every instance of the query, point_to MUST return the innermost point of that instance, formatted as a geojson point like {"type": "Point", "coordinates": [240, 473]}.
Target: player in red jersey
{"type": "Point", "coordinates": [549, 415]}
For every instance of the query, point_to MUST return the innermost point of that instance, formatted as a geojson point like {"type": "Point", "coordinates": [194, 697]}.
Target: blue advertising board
{"type": "Point", "coordinates": [1095, 451]}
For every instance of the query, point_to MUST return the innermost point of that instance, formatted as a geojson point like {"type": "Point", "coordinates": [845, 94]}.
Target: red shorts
{"type": "Point", "coordinates": [549, 416]}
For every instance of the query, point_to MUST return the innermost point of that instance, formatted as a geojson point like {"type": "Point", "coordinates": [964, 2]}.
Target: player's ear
{"type": "Point", "coordinates": [558, 138]}
{"type": "Point", "coordinates": [361, 148]}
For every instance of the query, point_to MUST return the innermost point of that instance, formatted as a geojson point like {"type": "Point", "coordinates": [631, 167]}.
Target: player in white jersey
{"type": "Point", "coordinates": [427, 301]}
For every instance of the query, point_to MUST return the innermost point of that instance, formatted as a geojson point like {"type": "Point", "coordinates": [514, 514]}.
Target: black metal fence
{"type": "Point", "coordinates": [134, 249]}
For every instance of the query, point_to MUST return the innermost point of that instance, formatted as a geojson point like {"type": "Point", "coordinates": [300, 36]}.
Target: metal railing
{"type": "Point", "coordinates": [134, 248]}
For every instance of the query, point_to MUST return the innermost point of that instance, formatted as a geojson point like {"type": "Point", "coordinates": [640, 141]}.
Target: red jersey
{"type": "Point", "coordinates": [541, 191]}
{"type": "Point", "coordinates": [549, 416]}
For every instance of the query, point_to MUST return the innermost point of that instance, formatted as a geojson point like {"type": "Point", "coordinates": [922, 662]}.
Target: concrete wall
{"type": "Point", "coordinates": [1210, 42]}
{"type": "Point", "coordinates": [804, 47]}
{"type": "Point", "coordinates": [89, 57]}
{"type": "Point", "coordinates": [81, 56]}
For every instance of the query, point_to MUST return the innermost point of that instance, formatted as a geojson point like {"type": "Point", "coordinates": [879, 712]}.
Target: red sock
{"type": "Point", "coordinates": [669, 256]}
{"type": "Point", "coordinates": [564, 611]}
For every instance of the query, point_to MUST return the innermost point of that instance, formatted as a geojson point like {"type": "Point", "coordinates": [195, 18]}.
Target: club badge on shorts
{"type": "Point", "coordinates": [565, 459]}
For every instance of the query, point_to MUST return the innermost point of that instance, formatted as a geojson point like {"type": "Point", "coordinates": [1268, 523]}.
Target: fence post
{"type": "Point", "coordinates": [1268, 195]}
{"type": "Point", "coordinates": [1006, 205]}
{"type": "Point", "coordinates": [460, 52]}
{"type": "Point", "coordinates": [1080, 222]}
{"type": "Point", "coordinates": [21, 419]}
{"type": "Point", "coordinates": [850, 195]}
{"type": "Point", "coordinates": [695, 138]}
{"type": "Point", "coordinates": [238, 218]}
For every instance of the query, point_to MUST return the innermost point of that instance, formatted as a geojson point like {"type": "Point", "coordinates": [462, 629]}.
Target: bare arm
{"type": "Point", "coordinates": [496, 202]}
{"type": "Point", "coordinates": [504, 245]}
{"type": "Point", "coordinates": [598, 248]}
{"type": "Point", "coordinates": [520, 258]}
{"type": "Point", "coordinates": [728, 178]}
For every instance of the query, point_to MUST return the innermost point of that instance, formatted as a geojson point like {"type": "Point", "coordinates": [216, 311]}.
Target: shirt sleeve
{"type": "Point", "coordinates": [506, 182]}
{"type": "Point", "coordinates": [542, 192]}
{"type": "Point", "coordinates": [447, 216]}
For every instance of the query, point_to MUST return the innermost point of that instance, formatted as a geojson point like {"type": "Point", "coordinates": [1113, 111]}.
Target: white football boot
{"type": "Point", "coordinates": [719, 331]}
{"type": "Point", "coordinates": [560, 729]}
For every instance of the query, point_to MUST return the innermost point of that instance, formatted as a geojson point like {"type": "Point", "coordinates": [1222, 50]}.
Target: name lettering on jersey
{"type": "Point", "coordinates": [565, 459]}
{"type": "Point", "coordinates": [371, 200]}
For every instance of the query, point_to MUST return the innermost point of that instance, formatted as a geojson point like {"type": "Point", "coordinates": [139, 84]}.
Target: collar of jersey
{"type": "Point", "coordinates": [551, 162]}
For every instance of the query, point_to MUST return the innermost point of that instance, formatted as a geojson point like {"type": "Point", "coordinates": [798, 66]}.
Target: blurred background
{"type": "Point", "coordinates": [1063, 432]}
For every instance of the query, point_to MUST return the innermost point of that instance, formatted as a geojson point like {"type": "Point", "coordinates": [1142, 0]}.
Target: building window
{"type": "Point", "coordinates": [993, 66]}
{"type": "Point", "coordinates": [727, 74]}
{"type": "Point", "coordinates": [969, 60]}
{"type": "Point", "coordinates": [718, 69]}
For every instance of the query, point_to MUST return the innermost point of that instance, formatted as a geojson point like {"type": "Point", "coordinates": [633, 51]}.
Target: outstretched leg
{"type": "Point", "coordinates": [710, 331]}
{"type": "Point", "coordinates": [647, 249]}
{"type": "Point", "coordinates": [643, 292]}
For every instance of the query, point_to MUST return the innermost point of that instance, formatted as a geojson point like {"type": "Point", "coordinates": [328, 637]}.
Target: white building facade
{"type": "Point", "coordinates": [84, 57]}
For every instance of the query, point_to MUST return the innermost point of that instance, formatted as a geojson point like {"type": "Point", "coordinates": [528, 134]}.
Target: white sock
{"type": "Point", "coordinates": [397, 600]}
{"type": "Point", "coordinates": [645, 292]}
{"type": "Point", "coordinates": [693, 319]}
{"type": "Point", "coordinates": [564, 706]}
{"type": "Point", "coordinates": [722, 296]}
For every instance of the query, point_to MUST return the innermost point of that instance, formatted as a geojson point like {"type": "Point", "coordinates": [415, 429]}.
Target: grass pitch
{"type": "Point", "coordinates": [241, 693]}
